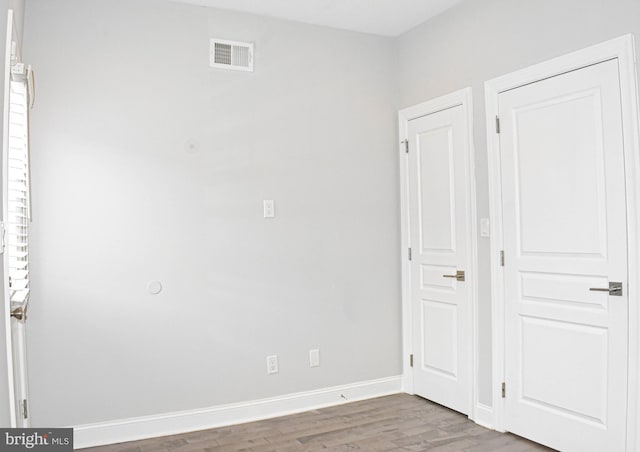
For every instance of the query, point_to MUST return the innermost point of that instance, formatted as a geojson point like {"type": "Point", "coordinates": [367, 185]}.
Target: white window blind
{"type": "Point", "coordinates": [18, 196]}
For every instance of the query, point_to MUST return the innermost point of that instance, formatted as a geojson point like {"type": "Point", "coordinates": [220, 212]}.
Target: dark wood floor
{"type": "Point", "coordinates": [394, 423]}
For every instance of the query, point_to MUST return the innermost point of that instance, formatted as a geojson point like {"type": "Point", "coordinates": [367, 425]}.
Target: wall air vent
{"type": "Point", "coordinates": [231, 55]}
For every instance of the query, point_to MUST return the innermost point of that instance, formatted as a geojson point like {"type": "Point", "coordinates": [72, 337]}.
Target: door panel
{"type": "Point", "coordinates": [560, 163]}
{"type": "Point", "coordinates": [439, 227]}
{"type": "Point", "coordinates": [576, 350]}
{"type": "Point", "coordinates": [564, 227]}
{"type": "Point", "coordinates": [435, 163]}
{"type": "Point", "coordinates": [440, 334]}
{"type": "Point", "coordinates": [431, 279]}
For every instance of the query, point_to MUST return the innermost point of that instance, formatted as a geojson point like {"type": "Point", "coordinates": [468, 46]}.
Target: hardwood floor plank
{"type": "Point", "coordinates": [397, 423]}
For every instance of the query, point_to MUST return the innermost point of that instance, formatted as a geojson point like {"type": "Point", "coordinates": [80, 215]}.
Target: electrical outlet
{"type": "Point", "coordinates": [272, 364]}
{"type": "Point", "coordinates": [314, 358]}
{"type": "Point", "coordinates": [269, 208]}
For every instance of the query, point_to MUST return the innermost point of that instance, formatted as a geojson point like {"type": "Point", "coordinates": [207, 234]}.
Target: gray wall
{"type": "Point", "coordinates": [123, 86]}
{"type": "Point", "coordinates": [119, 200]}
{"type": "Point", "coordinates": [479, 40]}
{"type": "Point", "coordinates": [18, 8]}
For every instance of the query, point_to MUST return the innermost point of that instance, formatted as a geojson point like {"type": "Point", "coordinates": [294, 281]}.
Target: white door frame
{"type": "Point", "coordinates": [5, 184]}
{"type": "Point", "coordinates": [622, 49]}
{"type": "Point", "coordinates": [461, 98]}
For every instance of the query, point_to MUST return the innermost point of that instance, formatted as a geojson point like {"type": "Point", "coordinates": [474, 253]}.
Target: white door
{"type": "Point", "coordinates": [563, 193]}
{"type": "Point", "coordinates": [15, 220]}
{"type": "Point", "coordinates": [439, 225]}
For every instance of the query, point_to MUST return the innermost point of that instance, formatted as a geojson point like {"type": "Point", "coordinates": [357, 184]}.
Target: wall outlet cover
{"type": "Point", "coordinates": [269, 208]}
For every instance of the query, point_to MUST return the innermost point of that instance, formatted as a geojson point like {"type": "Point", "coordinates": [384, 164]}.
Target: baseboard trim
{"type": "Point", "coordinates": [236, 413]}
{"type": "Point", "coordinates": [484, 416]}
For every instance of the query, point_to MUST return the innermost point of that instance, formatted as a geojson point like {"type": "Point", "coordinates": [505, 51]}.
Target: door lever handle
{"type": "Point", "coordinates": [614, 289]}
{"type": "Point", "coordinates": [19, 313]}
{"type": "Point", "coordinates": [459, 276]}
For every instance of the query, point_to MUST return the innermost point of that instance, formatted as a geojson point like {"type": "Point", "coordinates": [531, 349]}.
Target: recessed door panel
{"type": "Point", "coordinates": [435, 162]}
{"type": "Point", "coordinates": [563, 290]}
{"type": "Point", "coordinates": [431, 278]}
{"type": "Point", "coordinates": [560, 167]}
{"type": "Point", "coordinates": [439, 338]}
{"type": "Point", "coordinates": [564, 368]}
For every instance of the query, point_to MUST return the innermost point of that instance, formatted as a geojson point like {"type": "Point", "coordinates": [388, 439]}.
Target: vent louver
{"type": "Point", "coordinates": [231, 55]}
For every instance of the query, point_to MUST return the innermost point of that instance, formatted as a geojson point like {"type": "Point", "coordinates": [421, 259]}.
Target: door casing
{"type": "Point", "coordinates": [461, 98]}
{"type": "Point", "coordinates": [622, 49]}
{"type": "Point", "coordinates": [6, 303]}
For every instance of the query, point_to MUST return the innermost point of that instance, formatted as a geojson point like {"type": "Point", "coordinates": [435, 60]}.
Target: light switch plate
{"type": "Point", "coordinates": [272, 364]}
{"type": "Point", "coordinates": [484, 227]}
{"type": "Point", "coordinates": [314, 358]}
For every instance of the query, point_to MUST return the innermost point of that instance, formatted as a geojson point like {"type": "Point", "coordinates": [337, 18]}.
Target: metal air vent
{"type": "Point", "coordinates": [231, 55]}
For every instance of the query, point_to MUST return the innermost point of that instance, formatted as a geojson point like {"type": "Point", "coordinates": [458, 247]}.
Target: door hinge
{"type": "Point", "coordinates": [411, 360]}
{"type": "Point", "coordinates": [501, 258]}
{"type": "Point", "coordinates": [23, 408]}
{"type": "Point", "coordinates": [406, 145]}
{"type": "Point", "coordinates": [504, 389]}
{"type": "Point", "coordinates": [409, 253]}
{"type": "Point", "coordinates": [497, 124]}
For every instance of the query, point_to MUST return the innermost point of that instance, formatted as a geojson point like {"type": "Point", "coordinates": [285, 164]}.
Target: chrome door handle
{"type": "Point", "coordinates": [19, 313]}
{"type": "Point", "coordinates": [615, 289]}
{"type": "Point", "coordinates": [459, 276]}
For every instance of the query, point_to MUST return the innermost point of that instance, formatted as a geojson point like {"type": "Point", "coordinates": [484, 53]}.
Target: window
{"type": "Point", "coordinates": [18, 190]}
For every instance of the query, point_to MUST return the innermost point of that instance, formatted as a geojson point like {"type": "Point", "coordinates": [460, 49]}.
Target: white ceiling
{"type": "Point", "coordinates": [380, 17]}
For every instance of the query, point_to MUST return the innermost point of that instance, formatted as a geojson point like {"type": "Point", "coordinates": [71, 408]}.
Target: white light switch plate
{"type": "Point", "coordinates": [484, 227]}
{"type": "Point", "coordinates": [272, 364]}
{"type": "Point", "coordinates": [314, 358]}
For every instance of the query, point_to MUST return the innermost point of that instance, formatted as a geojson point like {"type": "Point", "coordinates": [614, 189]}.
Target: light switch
{"type": "Point", "coordinates": [484, 227]}
{"type": "Point", "coordinates": [314, 358]}
{"type": "Point", "coordinates": [269, 208]}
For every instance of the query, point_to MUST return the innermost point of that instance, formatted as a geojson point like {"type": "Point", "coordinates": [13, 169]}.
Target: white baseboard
{"type": "Point", "coordinates": [236, 413]}
{"type": "Point", "coordinates": [484, 415]}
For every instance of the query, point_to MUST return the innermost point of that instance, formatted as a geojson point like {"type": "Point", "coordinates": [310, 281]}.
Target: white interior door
{"type": "Point", "coordinates": [564, 214]}
{"type": "Point", "coordinates": [15, 222]}
{"type": "Point", "coordinates": [439, 225]}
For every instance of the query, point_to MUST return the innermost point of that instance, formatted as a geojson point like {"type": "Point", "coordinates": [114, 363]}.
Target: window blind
{"type": "Point", "coordinates": [18, 196]}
